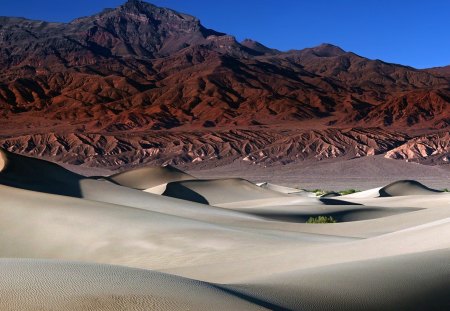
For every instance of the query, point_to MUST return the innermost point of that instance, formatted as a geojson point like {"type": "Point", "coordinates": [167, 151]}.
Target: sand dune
{"type": "Point", "coordinates": [411, 282]}
{"type": "Point", "coordinates": [370, 193]}
{"type": "Point", "coordinates": [282, 189]}
{"type": "Point", "coordinates": [398, 188]}
{"type": "Point", "coordinates": [341, 213]}
{"type": "Point", "coordinates": [146, 178]}
{"type": "Point", "coordinates": [45, 177]}
{"type": "Point", "coordinates": [406, 187]}
{"type": "Point", "coordinates": [251, 250]}
{"type": "Point", "coordinates": [29, 173]}
{"type": "Point", "coordinates": [60, 285]}
{"type": "Point", "coordinates": [219, 191]}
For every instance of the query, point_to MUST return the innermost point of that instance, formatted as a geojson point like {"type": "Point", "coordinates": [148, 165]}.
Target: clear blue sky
{"type": "Point", "coordinates": [414, 32]}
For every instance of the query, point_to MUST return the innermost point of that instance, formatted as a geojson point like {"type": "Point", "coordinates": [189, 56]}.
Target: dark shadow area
{"type": "Point", "coordinates": [364, 213]}
{"type": "Point", "coordinates": [38, 175]}
{"type": "Point", "coordinates": [331, 195]}
{"type": "Point", "coordinates": [405, 282]}
{"type": "Point", "coordinates": [249, 298]}
{"type": "Point", "coordinates": [178, 191]}
{"type": "Point", "coordinates": [328, 201]}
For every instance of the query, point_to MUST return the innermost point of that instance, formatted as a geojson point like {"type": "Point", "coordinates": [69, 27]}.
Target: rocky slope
{"type": "Point", "coordinates": [102, 84]}
{"type": "Point", "coordinates": [427, 149]}
{"type": "Point", "coordinates": [206, 148]}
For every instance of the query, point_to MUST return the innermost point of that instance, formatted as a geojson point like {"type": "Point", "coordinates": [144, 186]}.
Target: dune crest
{"type": "Point", "coordinates": [406, 187]}
{"type": "Point", "coordinates": [219, 191]}
{"type": "Point", "coordinates": [152, 179]}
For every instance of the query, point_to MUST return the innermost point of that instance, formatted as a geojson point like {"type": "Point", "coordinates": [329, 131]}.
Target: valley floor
{"type": "Point", "coordinates": [334, 174]}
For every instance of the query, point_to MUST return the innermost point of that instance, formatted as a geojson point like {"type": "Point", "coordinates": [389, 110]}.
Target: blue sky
{"type": "Point", "coordinates": [415, 32]}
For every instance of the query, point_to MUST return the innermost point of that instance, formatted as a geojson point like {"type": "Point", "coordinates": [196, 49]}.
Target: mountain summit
{"type": "Point", "coordinates": [141, 29]}
{"type": "Point", "coordinates": [140, 68]}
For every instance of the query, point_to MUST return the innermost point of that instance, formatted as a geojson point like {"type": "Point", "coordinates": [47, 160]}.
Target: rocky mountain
{"type": "Point", "coordinates": [123, 86]}
{"type": "Point", "coordinates": [440, 71]}
{"type": "Point", "coordinates": [426, 149]}
{"type": "Point", "coordinates": [204, 146]}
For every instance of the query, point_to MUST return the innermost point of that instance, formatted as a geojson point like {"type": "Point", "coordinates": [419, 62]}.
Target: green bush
{"type": "Point", "coordinates": [321, 220]}
{"type": "Point", "coordinates": [319, 192]}
{"type": "Point", "coordinates": [445, 190]}
{"type": "Point", "coordinates": [349, 191]}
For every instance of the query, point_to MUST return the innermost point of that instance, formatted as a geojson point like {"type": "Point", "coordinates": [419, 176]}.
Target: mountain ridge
{"type": "Point", "coordinates": [139, 68]}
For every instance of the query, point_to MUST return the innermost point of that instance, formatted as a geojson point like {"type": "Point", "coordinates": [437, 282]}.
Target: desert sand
{"type": "Point", "coordinates": [70, 242]}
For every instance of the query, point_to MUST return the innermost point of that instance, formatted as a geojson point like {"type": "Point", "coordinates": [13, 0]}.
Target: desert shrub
{"type": "Point", "coordinates": [445, 190]}
{"type": "Point", "coordinates": [321, 220]}
{"type": "Point", "coordinates": [348, 191]}
{"type": "Point", "coordinates": [319, 192]}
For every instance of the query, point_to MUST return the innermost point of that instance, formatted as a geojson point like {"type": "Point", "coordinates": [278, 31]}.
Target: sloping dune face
{"type": "Point", "coordinates": [406, 187]}
{"type": "Point", "coordinates": [219, 191]}
{"type": "Point", "coordinates": [32, 174]}
{"type": "Point", "coordinates": [413, 282]}
{"type": "Point", "coordinates": [72, 286]}
{"type": "Point", "coordinates": [252, 250]}
{"type": "Point", "coordinates": [282, 189]}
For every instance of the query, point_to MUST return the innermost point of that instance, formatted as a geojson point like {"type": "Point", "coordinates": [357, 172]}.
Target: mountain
{"type": "Point", "coordinates": [440, 71]}
{"type": "Point", "coordinates": [123, 86]}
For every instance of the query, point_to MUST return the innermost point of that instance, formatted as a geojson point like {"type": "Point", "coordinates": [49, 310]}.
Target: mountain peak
{"type": "Point", "coordinates": [137, 5]}
{"type": "Point", "coordinates": [134, 3]}
{"type": "Point", "coordinates": [140, 7]}
{"type": "Point", "coordinates": [140, 28]}
{"type": "Point", "coordinates": [328, 50]}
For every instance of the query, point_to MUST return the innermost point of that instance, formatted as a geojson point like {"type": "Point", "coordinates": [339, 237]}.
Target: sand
{"type": "Point", "coordinates": [62, 285]}
{"type": "Point", "coordinates": [149, 177]}
{"type": "Point", "coordinates": [282, 189]}
{"type": "Point", "coordinates": [74, 243]}
{"type": "Point", "coordinates": [406, 187]}
{"type": "Point", "coordinates": [412, 282]}
{"type": "Point", "coordinates": [211, 191]}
